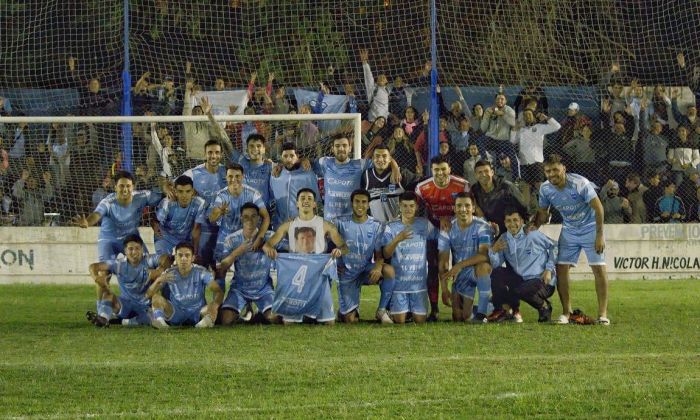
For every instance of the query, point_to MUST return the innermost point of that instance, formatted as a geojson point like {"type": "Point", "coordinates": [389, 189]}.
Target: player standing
{"type": "Point", "coordinates": [468, 239]}
{"type": "Point", "coordinates": [384, 191]}
{"type": "Point", "coordinates": [582, 229]}
{"type": "Point", "coordinates": [438, 195]}
{"type": "Point", "coordinates": [406, 243]}
{"type": "Point", "coordinates": [286, 185]}
{"type": "Point", "coordinates": [363, 236]}
{"type": "Point", "coordinates": [179, 220]}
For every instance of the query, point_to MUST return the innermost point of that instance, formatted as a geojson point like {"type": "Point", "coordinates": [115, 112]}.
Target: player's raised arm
{"type": "Point", "coordinates": [264, 226]}
{"type": "Point", "coordinates": [85, 222]}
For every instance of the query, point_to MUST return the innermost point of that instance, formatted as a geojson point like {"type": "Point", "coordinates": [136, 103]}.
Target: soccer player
{"type": "Point", "coordinates": [251, 281]}
{"type": "Point", "coordinates": [225, 211]}
{"type": "Point", "coordinates": [384, 192]}
{"type": "Point", "coordinates": [257, 168]}
{"type": "Point", "coordinates": [179, 220]}
{"type": "Point", "coordinates": [406, 243]}
{"type": "Point", "coordinates": [363, 236]}
{"type": "Point", "coordinates": [287, 183]}
{"type": "Point", "coordinates": [208, 178]}
{"type": "Point", "coordinates": [493, 194]}
{"type": "Point", "coordinates": [529, 275]}
{"type": "Point", "coordinates": [468, 239]}
{"type": "Point", "coordinates": [342, 176]}
{"type": "Point", "coordinates": [186, 284]}
{"type": "Point", "coordinates": [582, 229]}
{"type": "Point", "coordinates": [120, 214]}
{"type": "Point", "coordinates": [307, 232]}
{"type": "Point", "coordinates": [438, 195]}
{"type": "Point", "coordinates": [134, 275]}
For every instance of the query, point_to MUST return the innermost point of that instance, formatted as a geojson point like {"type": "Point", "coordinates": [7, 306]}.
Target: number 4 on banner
{"type": "Point", "coordinates": [300, 278]}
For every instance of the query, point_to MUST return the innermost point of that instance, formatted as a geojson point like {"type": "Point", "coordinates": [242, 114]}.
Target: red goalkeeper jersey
{"type": "Point", "coordinates": [439, 202]}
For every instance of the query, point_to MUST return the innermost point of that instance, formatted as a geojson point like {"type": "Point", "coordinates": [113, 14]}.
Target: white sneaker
{"type": "Point", "coordinates": [160, 324]}
{"type": "Point", "coordinates": [602, 321]}
{"type": "Point", "coordinates": [205, 322]}
{"type": "Point", "coordinates": [517, 317]}
{"type": "Point", "coordinates": [383, 316]}
{"type": "Point", "coordinates": [563, 319]}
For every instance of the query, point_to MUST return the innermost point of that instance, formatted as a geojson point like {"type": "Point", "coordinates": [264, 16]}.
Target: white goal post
{"type": "Point", "coordinates": [356, 118]}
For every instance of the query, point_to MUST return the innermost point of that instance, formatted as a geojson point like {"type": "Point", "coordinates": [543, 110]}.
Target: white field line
{"type": "Point", "coordinates": [336, 359]}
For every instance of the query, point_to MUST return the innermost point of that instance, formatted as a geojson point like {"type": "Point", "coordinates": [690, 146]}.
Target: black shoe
{"type": "Point", "coordinates": [96, 320]}
{"type": "Point", "coordinates": [479, 318]}
{"type": "Point", "coordinates": [545, 313]}
{"type": "Point", "coordinates": [433, 317]}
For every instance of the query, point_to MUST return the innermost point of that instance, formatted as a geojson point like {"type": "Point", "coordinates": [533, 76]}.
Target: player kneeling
{"type": "Point", "coordinates": [529, 275]}
{"type": "Point", "coordinates": [363, 236]}
{"type": "Point", "coordinates": [186, 284]}
{"type": "Point", "coordinates": [251, 280]}
{"type": "Point", "coordinates": [134, 275]}
{"type": "Point", "coordinates": [468, 239]}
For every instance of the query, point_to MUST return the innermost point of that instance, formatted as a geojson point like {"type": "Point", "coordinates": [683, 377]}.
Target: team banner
{"type": "Point", "coordinates": [302, 281]}
{"type": "Point", "coordinates": [325, 104]}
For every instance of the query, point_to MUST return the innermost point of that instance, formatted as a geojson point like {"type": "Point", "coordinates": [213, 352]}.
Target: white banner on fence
{"type": "Point", "coordinates": [63, 254]}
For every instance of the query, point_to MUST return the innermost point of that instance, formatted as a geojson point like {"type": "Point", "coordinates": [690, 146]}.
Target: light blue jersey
{"type": "Point", "coordinates": [303, 287]}
{"type": "Point", "coordinates": [284, 193]}
{"type": "Point", "coordinates": [255, 175]}
{"type": "Point", "coordinates": [252, 269]}
{"type": "Point", "coordinates": [339, 181]}
{"type": "Point", "coordinates": [118, 221]}
{"type": "Point", "coordinates": [207, 186]}
{"type": "Point", "coordinates": [187, 293]}
{"type": "Point", "coordinates": [410, 258]}
{"type": "Point", "coordinates": [362, 239]}
{"type": "Point", "coordinates": [465, 243]}
{"type": "Point", "coordinates": [529, 255]}
{"type": "Point", "coordinates": [176, 222]}
{"type": "Point", "coordinates": [573, 202]}
{"type": "Point", "coordinates": [231, 221]}
{"type": "Point", "coordinates": [133, 280]}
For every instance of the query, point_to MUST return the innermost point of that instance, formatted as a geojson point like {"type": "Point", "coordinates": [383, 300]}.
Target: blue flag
{"type": "Point", "coordinates": [303, 284]}
{"type": "Point", "coordinates": [322, 104]}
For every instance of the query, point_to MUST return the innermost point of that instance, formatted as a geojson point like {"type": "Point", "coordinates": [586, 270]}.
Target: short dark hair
{"type": "Point", "coordinates": [464, 194]}
{"type": "Point", "coordinates": [634, 177]}
{"type": "Point", "coordinates": [233, 166]}
{"type": "Point", "coordinates": [289, 146]}
{"type": "Point", "coordinates": [553, 159]}
{"type": "Point", "coordinates": [123, 174]}
{"type": "Point", "coordinates": [339, 136]}
{"type": "Point", "coordinates": [359, 191]}
{"type": "Point", "coordinates": [183, 180]}
{"type": "Point", "coordinates": [255, 137]}
{"type": "Point", "coordinates": [380, 146]}
{"type": "Point", "coordinates": [303, 229]}
{"type": "Point", "coordinates": [133, 238]}
{"type": "Point", "coordinates": [249, 205]}
{"type": "Point", "coordinates": [212, 142]}
{"type": "Point", "coordinates": [308, 190]}
{"type": "Point", "coordinates": [438, 160]}
{"type": "Point", "coordinates": [185, 244]}
{"type": "Point", "coordinates": [512, 209]}
{"type": "Point", "coordinates": [483, 162]}
{"type": "Point", "coordinates": [408, 196]}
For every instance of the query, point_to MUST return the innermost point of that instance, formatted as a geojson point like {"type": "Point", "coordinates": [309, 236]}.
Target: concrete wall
{"type": "Point", "coordinates": [62, 254]}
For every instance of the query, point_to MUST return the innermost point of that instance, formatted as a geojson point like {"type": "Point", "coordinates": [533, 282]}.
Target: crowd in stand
{"type": "Point", "coordinates": [640, 147]}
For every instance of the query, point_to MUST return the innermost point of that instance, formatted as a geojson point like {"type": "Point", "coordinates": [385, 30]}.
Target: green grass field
{"type": "Point", "coordinates": [646, 364]}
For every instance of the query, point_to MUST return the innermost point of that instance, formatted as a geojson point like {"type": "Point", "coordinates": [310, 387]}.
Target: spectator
{"type": "Point", "coordinates": [422, 140]}
{"type": "Point", "coordinates": [652, 194]}
{"type": "Point", "coordinates": [532, 92]}
{"type": "Point", "coordinates": [618, 153]}
{"type": "Point", "coordinates": [497, 122]}
{"type": "Point", "coordinates": [572, 123]}
{"type": "Point", "coordinates": [682, 154]}
{"type": "Point", "coordinates": [376, 128]}
{"type": "Point", "coordinates": [690, 119]}
{"type": "Point", "coordinates": [615, 208]}
{"type": "Point", "coordinates": [196, 133]}
{"type": "Point", "coordinates": [688, 192]}
{"type": "Point", "coordinates": [476, 118]}
{"type": "Point", "coordinates": [404, 153]}
{"type": "Point", "coordinates": [4, 159]}
{"type": "Point", "coordinates": [503, 169]}
{"type": "Point", "coordinates": [470, 163]}
{"type": "Point", "coordinates": [445, 150]}
{"type": "Point", "coordinates": [458, 111]}
{"type": "Point", "coordinates": [102, 191]}
{"type": "Point", "coordinates": [529, 136]}
{"type": "Point", "coordinates": [635, 196]}
{"type": "Point", "coordinates": [377, 93]}
{"type": "Point", "coordinates": [412, 126]}
{"type": "Point", "coordinates": [690, 77]}
{"type": "Point", "coordinates": [660, 108]}
{"type": "Point", "coordinates": [59, 152]}
{"type": "Point", "coordinates": [398, 98]}
{"type": "Point", "coordinates": [654, 147]}
{"type": "Point", "coordinates": [31, 200]}
{"type": "Point", "coordinates": [581, 154]}
{"type": "Point", "coordinates": [19, 143]}
{"type": "Point", "coordinates": [670, 207]}
{"type": "Point", "coordinates": [281, 104]}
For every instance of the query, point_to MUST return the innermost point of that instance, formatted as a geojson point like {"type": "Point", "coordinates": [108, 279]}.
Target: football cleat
{"type": "Point", "coordinates": [383, 316]}
{"type": "Point", "coordinates": [545, 313]}
{"type": "Point", "coordinates": [205, 322]}
{"type": "Point", "coordinates": [517, 317]}
{"type": "Point", "coordinates": [578, 317]}
{"type": "Point", "coordinates": [97, 320]}
{"type": "Point", "coordinates": [602, 321]}
{"type": "Point", "coordinates": [159, 323]}
{"type": "Point", "coordinates": [497, 315]}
